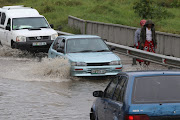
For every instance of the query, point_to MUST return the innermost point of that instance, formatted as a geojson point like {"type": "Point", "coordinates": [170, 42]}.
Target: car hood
{"type": "Point", "coordinates": [30, 33]}
{"type": "Point", "coordinates": [93, 57]}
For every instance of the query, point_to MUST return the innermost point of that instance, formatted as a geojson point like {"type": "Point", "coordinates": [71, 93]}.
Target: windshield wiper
{"type": "Point", "coordinates": [34, 29]}
{"type": "Point", "coordinates": [84, 51]}
{"type": "Point", "coordinates": [102, 51]}
{"type": "Point", "coordinates": [20, 28]}
{"type": "Point", "coordinates": [44, 27]}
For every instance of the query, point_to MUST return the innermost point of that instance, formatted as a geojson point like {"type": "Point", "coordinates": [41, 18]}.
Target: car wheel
{"type": "Point", "coordinates": [1, 43]}
{"type": "Point", "coordinates": [14, 46]}
{"type": "Point", "coordinates": [93, 117]}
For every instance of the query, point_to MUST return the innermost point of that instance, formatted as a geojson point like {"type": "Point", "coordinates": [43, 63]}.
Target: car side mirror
{"type": "Point", "coordinates": [98, 93]}
{"type": "Point", "coordinates": [51, 25]}
{"type": "Point", "coordinates": [8, 28]}
{"type": "Point", "coordinates": [105, 40]}
{"type": "Point", "coordinates": [113, 48]}
{"type": "Point", "coordinates": [60, 50]}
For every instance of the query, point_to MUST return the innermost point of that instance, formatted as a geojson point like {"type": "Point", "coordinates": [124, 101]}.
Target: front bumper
{"type": "Point", "coordinates": [111, 70]}
{"type": "Point", "coordinates": [28, 45]}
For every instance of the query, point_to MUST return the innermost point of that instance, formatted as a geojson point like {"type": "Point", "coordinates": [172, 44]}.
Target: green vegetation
{"type": "Point", "coordinates": [147, 10]}
{"type": "Point", "coordinates": [108, 11]}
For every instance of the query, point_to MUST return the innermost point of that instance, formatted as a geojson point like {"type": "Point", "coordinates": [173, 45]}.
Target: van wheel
{"type": "Point", "coordinates": [14, 46]}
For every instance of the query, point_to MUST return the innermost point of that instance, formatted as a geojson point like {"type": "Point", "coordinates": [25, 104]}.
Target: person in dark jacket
{"type": "Point", "coordinates": [148, 41]}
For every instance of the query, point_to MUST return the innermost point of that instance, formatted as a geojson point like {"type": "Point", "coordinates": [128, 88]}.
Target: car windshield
{"type": "Point", "coordinates": [156, 89]}
{"type": "Point", "coordinates": [86, 45]}
{"type": "Point", "coordinates": [29, 23]}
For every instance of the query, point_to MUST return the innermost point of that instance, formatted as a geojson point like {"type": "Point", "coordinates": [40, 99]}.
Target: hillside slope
{"type": "Point", "coordinates": [109, 11]}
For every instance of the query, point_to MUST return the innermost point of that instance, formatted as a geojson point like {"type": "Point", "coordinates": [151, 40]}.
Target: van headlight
{"type": "Point", "coordinates": [54, 36]}
{"type": "Point", "coordinates": [118, 62]}
{"type": "Point", "coordinates": [20, 39]}
{"type": "Point", "coordinates": [79, 64]}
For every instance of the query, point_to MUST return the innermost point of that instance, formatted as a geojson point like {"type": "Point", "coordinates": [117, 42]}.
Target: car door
{"type": "Point", "coordinates": [8, 33]}
{"type": "Point", "coordinates": [108, 93]}
{"type": "Point", "coordinates": [2, 29]}
{"type": "Point", "coordinates": [115, 104]}
{"type": "Point", "coordinates": [57, 44]}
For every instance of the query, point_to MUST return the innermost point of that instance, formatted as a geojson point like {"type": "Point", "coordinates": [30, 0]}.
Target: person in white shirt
{"type": "Point", "coordinates": [148, 41]}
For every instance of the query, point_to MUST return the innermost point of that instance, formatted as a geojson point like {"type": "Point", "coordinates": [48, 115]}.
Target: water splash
{"type": "Point", "coordinates": [52, 68]}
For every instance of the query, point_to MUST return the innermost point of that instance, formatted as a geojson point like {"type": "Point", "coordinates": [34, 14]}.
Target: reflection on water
{"type": "Point", "coordinates": [70, 100]}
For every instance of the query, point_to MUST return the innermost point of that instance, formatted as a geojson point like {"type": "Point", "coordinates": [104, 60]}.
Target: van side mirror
{"type": "Point", "coordinates": [8, 28]}
{"type": "Point", "coordinates": [98, 93]}
{"type": "Point", "coordinates": [51, 25]}
{"type": "Point", "coordinates": [60, 50]}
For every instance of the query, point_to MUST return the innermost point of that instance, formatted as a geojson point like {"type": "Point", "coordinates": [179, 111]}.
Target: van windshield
{"type": "Point", "coordinates": [156, 89]}
{"type": "Point", "coordinates": [29, 23]}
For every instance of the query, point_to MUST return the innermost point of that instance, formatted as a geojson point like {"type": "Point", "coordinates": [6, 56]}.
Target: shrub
{"type": "Point", "coordinates": [147, 10]}
{"type": "Point", "coordinates": [168, 3]}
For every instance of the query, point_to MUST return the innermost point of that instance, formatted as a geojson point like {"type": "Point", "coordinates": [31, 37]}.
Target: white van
{"type": "Point", "coordinates": [24, 28]}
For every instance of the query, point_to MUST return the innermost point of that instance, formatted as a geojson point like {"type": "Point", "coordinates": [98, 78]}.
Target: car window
{"type": "Point", "coordinates": [3, 18]}
{"type": "Point", "coordinates": [120, 89]}
{"type": "Point", "coordinates": [156, 89]}
{"type": "Point", "coordinates": [9, 22]}
{"type": "Point", "coordinates": [111, 88]}
{"type": "Point", "coordinates": [0, 16]}
{"type": "Point", "coordinates": [57, 43]}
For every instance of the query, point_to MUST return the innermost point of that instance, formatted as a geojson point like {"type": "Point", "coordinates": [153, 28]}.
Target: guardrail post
{"type": "Point", "coordinates": [134, 61]}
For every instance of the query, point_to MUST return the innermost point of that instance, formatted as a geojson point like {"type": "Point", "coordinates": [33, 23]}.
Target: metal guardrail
{"type": "Point", "coordinates": [149, 56]}
{"type": "Point", "coordinates": [132, 52]}
{"type": "Point", "coordinates": [63, 33]}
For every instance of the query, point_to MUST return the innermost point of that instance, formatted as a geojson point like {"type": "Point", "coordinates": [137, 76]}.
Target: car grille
{"type": "Point", "coordinates": [165, 118]}
{"type": "Point", "coordinates": [98, 64]}
{"type": "Point", "coordinates": [39, 38]}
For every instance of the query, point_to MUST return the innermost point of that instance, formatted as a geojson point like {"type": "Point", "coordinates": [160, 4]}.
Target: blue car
{"type": "Point", "coordinates": [145, 95]}
{"type": "Point", "coordinates": [88, 55]}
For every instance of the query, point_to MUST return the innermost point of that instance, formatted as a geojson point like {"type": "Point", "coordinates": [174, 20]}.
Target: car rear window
{"type": "Point", "coordinates": [156, 89]}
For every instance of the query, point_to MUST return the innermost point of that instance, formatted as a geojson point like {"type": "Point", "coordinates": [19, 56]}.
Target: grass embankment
{"type": "Point", "coordinates": [108, 11]}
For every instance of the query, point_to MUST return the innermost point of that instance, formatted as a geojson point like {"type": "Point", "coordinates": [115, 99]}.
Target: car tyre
{"type": "Point", "coordinates": [93, 117]}
{"type": "Point", "coordinates": [14, 46]}
{"type": "Point", "coordinates": [1, 44]}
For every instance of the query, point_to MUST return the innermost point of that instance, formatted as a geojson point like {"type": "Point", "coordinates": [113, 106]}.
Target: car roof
{"type": "Point", "coordinates": [20, 11]}
{"type": "Point", "coordinates": [78, 36]}
{"type": "Point", "coordinates": [150, 73]}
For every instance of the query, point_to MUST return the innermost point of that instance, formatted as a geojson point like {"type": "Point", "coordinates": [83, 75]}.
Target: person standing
{"type": "Point", "coordinates": [148, 41]}
{"type": "Point", "coordinates": [137, 39]}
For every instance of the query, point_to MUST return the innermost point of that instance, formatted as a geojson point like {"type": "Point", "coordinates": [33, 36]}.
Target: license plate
{"type": "Point", "coordinates": [98, 71]}
{"type": "Point", "coordinates": [39, 43]}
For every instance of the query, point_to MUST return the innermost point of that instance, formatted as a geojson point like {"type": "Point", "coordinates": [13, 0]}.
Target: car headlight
{"type": "Point", "coordinates": [118, 62]}
{"type": "Point", "coordinates": [20, 39]}
{"type": "Point", "coordinates": [54, 36]}
{"type": "Point", "coordinates": [78, 64]}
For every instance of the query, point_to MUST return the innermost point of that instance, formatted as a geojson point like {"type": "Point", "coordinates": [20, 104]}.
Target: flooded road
{"type": "Point", "coordinates": [31, 89]}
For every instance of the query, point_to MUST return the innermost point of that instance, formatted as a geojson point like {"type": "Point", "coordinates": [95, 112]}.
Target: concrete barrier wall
{"type": "Point", "coordinates": [168, 44]}
{"type": "Point", "coordinates": [77, 23]}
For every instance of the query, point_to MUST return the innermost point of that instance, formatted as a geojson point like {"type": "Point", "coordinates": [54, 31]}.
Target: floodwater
{"type": "Point", "coordinates": [33, 87]}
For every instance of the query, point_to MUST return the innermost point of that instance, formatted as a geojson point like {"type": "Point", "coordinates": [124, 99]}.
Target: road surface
{"type": "Point", "coordinates": [41, 89]}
